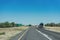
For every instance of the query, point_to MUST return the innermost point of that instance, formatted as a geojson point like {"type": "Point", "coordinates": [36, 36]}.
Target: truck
{"type": "Point", "coordinates": [40, 25]}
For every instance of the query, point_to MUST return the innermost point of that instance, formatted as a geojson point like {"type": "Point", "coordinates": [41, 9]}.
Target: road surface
{"type": "Point", "coordinates": [38, 34]}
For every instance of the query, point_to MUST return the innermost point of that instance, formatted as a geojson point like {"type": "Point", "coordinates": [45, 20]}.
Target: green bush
{"type": "Point", "coordinates": [3, 33]}
{"type": "Point", "coordinates": [53, 24]}
{"type": "Point", "coordinates": [7, 25]}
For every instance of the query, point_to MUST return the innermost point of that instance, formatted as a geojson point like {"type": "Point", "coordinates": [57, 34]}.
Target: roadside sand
{"type": "Point", "coordinates": [56, 29]}
{"type": "Point", "coordinates": [9, 32]}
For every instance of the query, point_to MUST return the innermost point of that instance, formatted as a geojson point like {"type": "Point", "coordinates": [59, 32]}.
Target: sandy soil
{"type": "Point", "coordinates": [9, 32]}
{"type": "Point", "coordinates": [56, 29]}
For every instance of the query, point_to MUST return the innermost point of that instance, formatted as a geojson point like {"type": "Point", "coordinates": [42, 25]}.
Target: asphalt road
{"type": "Point", "coordinates": [32, 34]}
{"type": "Point", "coordinates": [37, 34]}
{"type": "Point", "coordinates": [51, 34]}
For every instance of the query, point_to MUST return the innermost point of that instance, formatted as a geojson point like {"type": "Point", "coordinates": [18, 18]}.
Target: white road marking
{"type": "Point", "coordinates": [44, 34]}
{"type": "Point", "coordinates": [22, 35]}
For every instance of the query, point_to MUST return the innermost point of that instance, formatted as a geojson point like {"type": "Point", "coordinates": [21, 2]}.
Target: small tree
{"type": "Point", "coordinates": [7, 24]}
{"type": "Point", "coordinates": [13, 24]}
{"type": "Point", "coordinates": [29, 25]}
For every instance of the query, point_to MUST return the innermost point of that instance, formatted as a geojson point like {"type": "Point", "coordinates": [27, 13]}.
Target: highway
{"type": "Point", "coordinates": [38, 34]}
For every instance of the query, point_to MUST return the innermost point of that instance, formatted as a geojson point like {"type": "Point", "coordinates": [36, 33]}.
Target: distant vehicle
{"type": "Point", "coordinates": [40, 25]}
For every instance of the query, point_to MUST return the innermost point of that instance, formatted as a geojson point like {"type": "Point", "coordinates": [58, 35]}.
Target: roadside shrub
{"type": "Point", "coordinates": [3, 33]}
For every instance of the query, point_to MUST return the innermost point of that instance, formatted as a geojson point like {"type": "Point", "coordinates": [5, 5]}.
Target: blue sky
{"type": "Point", "coordinates": [30, 11]}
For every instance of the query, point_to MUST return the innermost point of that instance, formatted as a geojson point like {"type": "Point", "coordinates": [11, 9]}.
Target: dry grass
{"type": "Point", "coordinates": [9, 32]}
{"type": "Point", "coordinates": [56, 29]}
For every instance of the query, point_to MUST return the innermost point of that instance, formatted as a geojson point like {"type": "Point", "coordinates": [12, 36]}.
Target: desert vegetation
{"type": "Point", "coordinates": [7, 33]}
{"type": "Point", "coordinates": [8, 24]}
{"type": "Point", "coordinates": [53, 24]}
{"type": "Point", "coordinates": [53, 27]}
{"type": "Point", "coordinates": [9, 29]}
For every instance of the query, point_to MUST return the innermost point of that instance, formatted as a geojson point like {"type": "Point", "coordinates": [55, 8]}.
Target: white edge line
{"type": "Point", "coordinates": [22, 35]}
{"type": "Point", "coordinates": [44, 34]}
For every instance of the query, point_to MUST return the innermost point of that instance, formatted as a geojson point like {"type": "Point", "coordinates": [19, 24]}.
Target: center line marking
{"type": "Point", "coordinates": [44, 34]}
